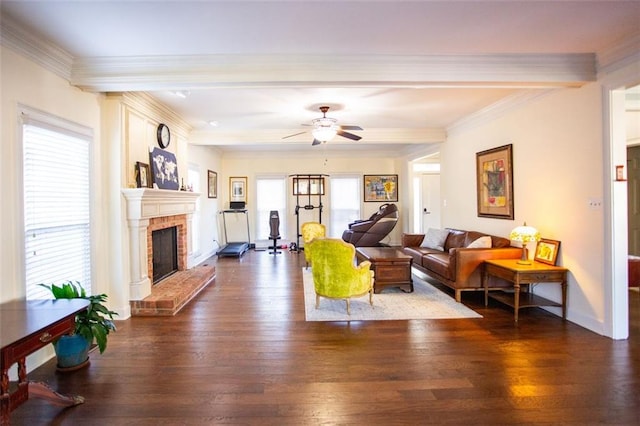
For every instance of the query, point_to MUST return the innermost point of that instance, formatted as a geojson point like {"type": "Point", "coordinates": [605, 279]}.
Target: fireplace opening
{"type": "Point", "coordinates": [165, 252]}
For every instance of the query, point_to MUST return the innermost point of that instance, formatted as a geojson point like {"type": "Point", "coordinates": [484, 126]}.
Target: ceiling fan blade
{"type": "Point", "coordinates": [315, 142]}
{"type": "Point", "coordinates": [295, 134]}
{"type": "Point", "coordinates": [351, 128]}
{"type": "Point", "coordinates": [349, 135]}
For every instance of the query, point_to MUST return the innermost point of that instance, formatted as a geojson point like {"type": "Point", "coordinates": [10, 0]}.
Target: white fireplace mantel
{"type": "Point", "coordinates": [144, 204]}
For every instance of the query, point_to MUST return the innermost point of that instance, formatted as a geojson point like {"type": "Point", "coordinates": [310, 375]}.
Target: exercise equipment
{"type": "Point", "coordinates": [234, 249]}
{"type": "Point", "coordinates": [307, 186]}
{"type": "Point", "coordinates": [274, 224]}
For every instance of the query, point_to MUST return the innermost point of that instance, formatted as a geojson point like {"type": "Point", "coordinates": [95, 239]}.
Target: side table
{"type": "Point", "coordinates": [519, 275]}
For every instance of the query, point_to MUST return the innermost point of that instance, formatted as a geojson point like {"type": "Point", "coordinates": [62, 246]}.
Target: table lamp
{"type": "Point", "coordinates": [524, 234]}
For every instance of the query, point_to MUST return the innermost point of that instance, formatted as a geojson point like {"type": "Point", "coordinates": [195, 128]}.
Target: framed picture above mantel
{"type": "Point", "coordinates": [494, 177]}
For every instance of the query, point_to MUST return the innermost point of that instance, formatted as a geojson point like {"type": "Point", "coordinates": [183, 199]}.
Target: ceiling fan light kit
{"type": "Point", "coordinates": [325, 129]}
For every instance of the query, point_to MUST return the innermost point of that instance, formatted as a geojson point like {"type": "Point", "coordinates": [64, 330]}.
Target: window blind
{"type": "Point", "coordinates": [270, 195]}
{"type": "Point", "coordinates": [57, 232]}
{"type": "Point", "coordinates": [345, 198]}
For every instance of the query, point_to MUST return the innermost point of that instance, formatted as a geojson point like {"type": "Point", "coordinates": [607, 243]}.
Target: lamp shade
{"type": "Point", "coordinates": [524, 234]}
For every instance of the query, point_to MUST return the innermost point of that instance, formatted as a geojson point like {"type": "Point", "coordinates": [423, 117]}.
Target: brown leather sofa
{"type": "Point", "coordinates": [457, 266]}
{"type": "Point", "coordinates": [369, 233]}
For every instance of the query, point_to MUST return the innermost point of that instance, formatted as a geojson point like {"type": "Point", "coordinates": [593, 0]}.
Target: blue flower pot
{"type": "Point", "coordinates": [72, 351]}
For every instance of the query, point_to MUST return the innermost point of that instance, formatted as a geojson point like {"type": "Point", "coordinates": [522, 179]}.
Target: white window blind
{"type": "Point", "coordinates": [56, 207]}
{"type": "Point", "coordinates": [345, 203]}
{"type": "Point", "coordinates": [270, 195]}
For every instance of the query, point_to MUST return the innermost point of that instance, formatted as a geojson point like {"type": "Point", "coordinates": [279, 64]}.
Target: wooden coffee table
{"type": "Point", "coordinates": [391, 266]}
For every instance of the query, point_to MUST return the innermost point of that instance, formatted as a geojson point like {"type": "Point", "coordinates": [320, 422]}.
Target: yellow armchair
{"type": "Point", "coordinates": [309, 231]}
{"type": "Point", "coordinates": [335, 275]}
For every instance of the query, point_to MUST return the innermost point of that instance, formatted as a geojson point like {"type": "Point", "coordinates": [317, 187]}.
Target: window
{"type": "Point", "coordinates": [345, 203]}
{"type": "Point", "coordinates": [270, 195]}
{"type": "Point", "coordinates": [57, 232]}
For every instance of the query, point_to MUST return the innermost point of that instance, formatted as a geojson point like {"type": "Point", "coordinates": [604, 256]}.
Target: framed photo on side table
{"type": "Point", "coordinates": [238, 189]}
{"type": "Point", "coordinates": [547, 251]}
{"type": "Point", "coordinates": [212, 184]}
{"type": "Point", "coordinates": [494, 168]}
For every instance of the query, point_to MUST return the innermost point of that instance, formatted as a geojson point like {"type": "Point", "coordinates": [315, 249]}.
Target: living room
{"type": "Point", "coordinates": [564, 156]}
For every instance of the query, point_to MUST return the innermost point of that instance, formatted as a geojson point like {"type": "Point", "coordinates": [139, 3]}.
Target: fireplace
{"type": "Point", "coordinates": [150, 210]}
{"type": "Point", "coordinates": [165, 252]}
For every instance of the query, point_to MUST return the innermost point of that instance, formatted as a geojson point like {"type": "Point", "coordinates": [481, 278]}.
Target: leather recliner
{"type": "Point", "coordinates": [369, 233]}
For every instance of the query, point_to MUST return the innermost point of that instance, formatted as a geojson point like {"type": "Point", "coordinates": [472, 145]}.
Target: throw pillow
{"type": "Point", "coordinates": [435, 239]}
{"type": "Point", "coordinates": [482, 242]}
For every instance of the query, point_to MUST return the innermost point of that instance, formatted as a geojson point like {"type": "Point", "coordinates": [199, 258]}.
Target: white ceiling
{"type": "Point", "coordinates": [406, 71]}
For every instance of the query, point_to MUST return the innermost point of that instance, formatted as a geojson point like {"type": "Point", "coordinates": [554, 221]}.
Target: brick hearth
{"type": "Point", "coordinates": [174, 292]}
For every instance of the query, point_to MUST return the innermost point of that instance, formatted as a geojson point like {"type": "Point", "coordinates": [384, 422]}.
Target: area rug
{"type": "Point", "coordinates": [426, 302]}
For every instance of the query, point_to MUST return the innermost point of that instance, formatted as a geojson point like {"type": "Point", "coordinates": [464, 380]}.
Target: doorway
{"type": "Point", "coordinates": [430, 202]}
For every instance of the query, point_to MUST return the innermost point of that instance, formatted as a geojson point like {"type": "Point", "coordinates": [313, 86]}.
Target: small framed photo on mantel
{"type": "Point", "coordinates": [143, 175]}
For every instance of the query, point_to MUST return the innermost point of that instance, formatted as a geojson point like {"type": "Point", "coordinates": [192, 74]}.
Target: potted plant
{"type": "Point", "coordinates": [92, 325]}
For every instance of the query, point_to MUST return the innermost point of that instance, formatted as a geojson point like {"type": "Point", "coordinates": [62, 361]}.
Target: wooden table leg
{"type": "Point", "coordinates": [516, 301]}
{"type": "Point", "coordinates": [564, 299]}
{"type": "Point", "coordinates": [485, 280]}
{"type": "Point", "coordinates": [41, 390]}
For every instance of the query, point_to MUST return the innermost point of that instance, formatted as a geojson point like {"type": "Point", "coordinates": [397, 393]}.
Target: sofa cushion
{"type": "Point", "coordinates": [456, 239]}
{"type": "Point", "coordinates": [435, 239]}
{"type": "Point", "coordinates": [482, 242]}
{"type": "Point", "coordinates": [438, 263]}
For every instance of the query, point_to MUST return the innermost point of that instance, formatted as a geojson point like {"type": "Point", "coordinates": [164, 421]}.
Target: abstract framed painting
{"type": "Point", "coordinates": [494, 168]}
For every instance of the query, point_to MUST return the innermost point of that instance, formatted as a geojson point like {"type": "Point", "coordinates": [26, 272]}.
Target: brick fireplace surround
{"type": "Point", "coordinates": [157, 223]}
{"type": "Point", "coordinates": [149, 210]}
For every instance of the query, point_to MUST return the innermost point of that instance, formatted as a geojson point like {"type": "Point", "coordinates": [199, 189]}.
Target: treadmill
{"type": "Point", "coordinates": [234, 249]}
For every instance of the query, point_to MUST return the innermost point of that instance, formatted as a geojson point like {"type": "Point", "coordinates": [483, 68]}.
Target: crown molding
{"type": "Point", "coordinates": [37, 49]}
{"type": "Point", "coordinates": [147, 105]}
{"type": "Point", "coordinates": [146, 73]}
{"type": "Point", "coordinates": [496, 110]}
{"type": "Point", "coordinates": [619, 55]}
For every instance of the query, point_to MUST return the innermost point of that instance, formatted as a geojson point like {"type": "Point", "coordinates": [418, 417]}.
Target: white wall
{"type": "Point", "coordinates": [558, 167]}
{"type": "Point", "coordinates": [23, 82]}
{"type": "Point", "coordinates": [207, 158]}
{"type": "Point", "coordinates": [253, 164]}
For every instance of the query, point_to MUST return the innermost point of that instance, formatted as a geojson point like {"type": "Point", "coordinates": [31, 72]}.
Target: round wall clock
{"type": "Point", "coordinates": [164, 135]}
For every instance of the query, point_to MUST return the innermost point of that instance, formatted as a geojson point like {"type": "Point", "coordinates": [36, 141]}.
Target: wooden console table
{"type": "Point", "coordinates": [512, 271]}
{"type": "Point", "coordinates": [25, 327]}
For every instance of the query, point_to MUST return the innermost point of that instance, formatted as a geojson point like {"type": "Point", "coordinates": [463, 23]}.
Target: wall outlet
{"type": "Point", "coordinates": [595, 203]}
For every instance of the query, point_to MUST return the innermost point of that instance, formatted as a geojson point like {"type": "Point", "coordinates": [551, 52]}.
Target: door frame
{"type": "Point", "coordinates": [616, 295]}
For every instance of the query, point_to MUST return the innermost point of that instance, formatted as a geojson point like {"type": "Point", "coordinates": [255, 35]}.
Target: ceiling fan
{"type": "Point", "coordinates": [325, 129]}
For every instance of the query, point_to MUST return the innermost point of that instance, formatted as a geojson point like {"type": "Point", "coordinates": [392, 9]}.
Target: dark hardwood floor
{"type": "Point", "coordinates": [242, 353]}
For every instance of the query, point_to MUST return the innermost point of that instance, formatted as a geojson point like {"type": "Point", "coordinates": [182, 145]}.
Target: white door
{"type": "Point", "coordinates": [430, 209]}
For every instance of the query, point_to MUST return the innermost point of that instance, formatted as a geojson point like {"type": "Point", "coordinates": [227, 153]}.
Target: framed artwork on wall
{"type": "Point", "coordinates": [212, 184]}
{"type": "Point", "coordinates": [494, 177]}
{"type": "Point", "coordinates": [547, 251]}
{"type": "Point", "coordinates": [238, 189]}
{"type": "Point", "coordinates": [165, 169]}
{"type": "Point", "coordinates": [380, 188]}
{"type": "Point", "coordinates": [143, 176]}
